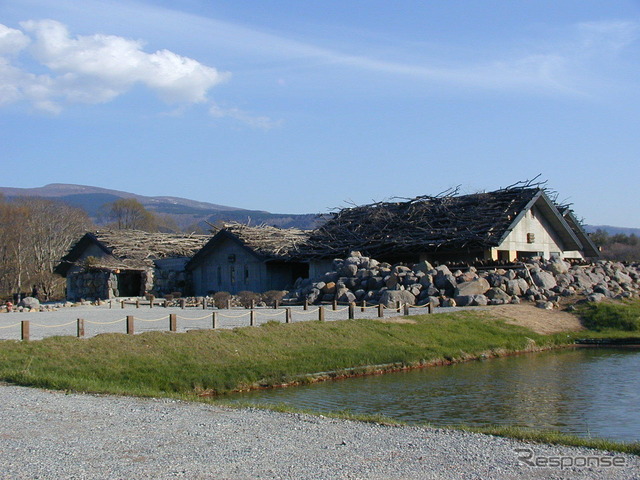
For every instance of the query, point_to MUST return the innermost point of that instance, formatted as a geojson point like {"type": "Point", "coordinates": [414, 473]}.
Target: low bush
{"type": "Point", "coordinates": [272, 296]}
{"type": "Point", "coordinates": [247, 299]}
{"type": "Point", "coordinates": [221, 299]}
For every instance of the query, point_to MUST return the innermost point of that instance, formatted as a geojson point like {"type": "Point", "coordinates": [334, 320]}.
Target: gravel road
{"type": "Point", "coordinates": [53, 435]}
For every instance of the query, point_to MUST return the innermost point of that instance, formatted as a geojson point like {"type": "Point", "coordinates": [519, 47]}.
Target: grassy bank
{"type": "Point", "coordinates": [214, 362]}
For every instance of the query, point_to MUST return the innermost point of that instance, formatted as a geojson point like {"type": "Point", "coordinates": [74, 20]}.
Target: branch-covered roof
{"type": "Point", "coordinates": [131, 249]}
{"type": "Point", "coordinates": [444, 222]}
{"type": "Point", "coordinates": [265, 242]}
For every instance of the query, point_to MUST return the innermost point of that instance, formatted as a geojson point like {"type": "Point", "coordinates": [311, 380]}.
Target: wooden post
{"type": "Point", "coordinates": [110, 304]}
{"type": "Point", "coordinates": [287, 315]}
{"type": "Point", "coordinates": [352, 310]}
{"type": "Point", "coordinates": [398, 306]}
{"type": "Point", "coordinates": [204, 303]}
{"type": "Point", "coordinates": [166, 304]}
{"type": "Point", "coordinates": [253, 304]}
{"type": "Point", "coordinates": [182, 303]}
{"type": "Point", "coordinates": [121, 303]}
{"type": "Point", "coordinates": [137, 303]}
{"type": "Point", "coordinates": [151, 300]}
{"type": "Point", "coordinates": [276, 304]}
{"type": "Point", "coordinates": [305, 305]}
{"type": "Point", "coordinates": [321, 313]}
{"type": "Point", "coordinates": [429, 308]}
{"type": "Point", "coordinates": [80, 328]}
{"type": "Point", "coordinates": [228, 304]}
{"type": "Point", "coordinates": [129, 324]}
{"type": "Point", "coordinates": [214, 320]}
{"type": "Point", "coordinates": [25, 329]}
{"type": "Point", "coordinates": [173, 322]}
{"type": "Point", "coordinates": [363, 306]}
{"type": "Point", "coordinates": [406, 309]}
{"type": "Point", "coordinates": [252, 321]}
{"type": "Point", "coordinates": [380, 310]}
{"type": "Point", "coordinates": [335, 304]}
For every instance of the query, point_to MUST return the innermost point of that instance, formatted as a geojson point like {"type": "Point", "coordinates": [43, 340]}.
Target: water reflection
{"type": "Point", "coordinates": [581, 391]}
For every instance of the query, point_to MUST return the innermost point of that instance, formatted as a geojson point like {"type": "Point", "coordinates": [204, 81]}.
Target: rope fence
{"type": "Point", "coordinates": [215, 316]}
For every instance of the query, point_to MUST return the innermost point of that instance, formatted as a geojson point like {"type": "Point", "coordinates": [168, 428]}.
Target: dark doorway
{"type": "Point", "coordinates": [129, 283]}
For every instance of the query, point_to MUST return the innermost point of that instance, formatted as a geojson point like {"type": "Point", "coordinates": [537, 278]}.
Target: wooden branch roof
{"type": "Point", "coordinates": [426, 223]}
{"type": "Point", "coordinates": [264, 241]}
{"type": "Point", "coordinates": [132, 249]}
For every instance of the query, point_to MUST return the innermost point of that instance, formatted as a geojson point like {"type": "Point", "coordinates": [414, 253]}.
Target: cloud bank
{"type": "Point", "coordinates": [92, 69]}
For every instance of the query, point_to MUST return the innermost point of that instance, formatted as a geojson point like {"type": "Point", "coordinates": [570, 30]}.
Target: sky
{"type": "Point", "coordinates": [304, 107]}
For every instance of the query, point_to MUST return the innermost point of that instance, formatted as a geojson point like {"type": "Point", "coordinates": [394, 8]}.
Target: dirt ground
{"type": "Point", "coordinates": [537, 319]}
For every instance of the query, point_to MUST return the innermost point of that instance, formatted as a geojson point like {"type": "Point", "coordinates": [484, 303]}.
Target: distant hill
{"type": "Point", "coordinates": [184, 211]}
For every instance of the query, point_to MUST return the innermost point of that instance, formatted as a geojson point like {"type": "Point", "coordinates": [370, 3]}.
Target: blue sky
{"type": "Point", "coordinates": [301, 107]}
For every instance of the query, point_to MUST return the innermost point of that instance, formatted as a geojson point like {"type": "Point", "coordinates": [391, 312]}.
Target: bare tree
{"type": "Point", "coordinates": [130, 214]}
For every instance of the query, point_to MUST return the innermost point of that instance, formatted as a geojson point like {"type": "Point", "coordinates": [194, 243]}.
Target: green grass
{"type": "Point", "coordinates": [611, 316]}
{"type": "Point", "coordinates": [220, 361]}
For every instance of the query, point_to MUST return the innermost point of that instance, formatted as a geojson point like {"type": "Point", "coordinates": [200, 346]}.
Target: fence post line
{"type": "Point", "coordinates": [305, 305]}
{"type": "Point", "coordinates": [214, 320]}
{"type": "Point", "coordinates": [151, 299]}
{"type": "Point", "coordinates": [110, 304]}
{"type": "Point", "coordinates": [137, 303]}
{"type": "Point", "coordinates": [252, 318]}
{"type": "Point", "coordinates": [363, 306]}
{"type": "Point", "coordinates": [321, 313]}
{"type": "Point", "coordinates": [129, 324]}
{"type": "Point", "coordinates": [398, 306]}
{"type": "Point", "coordinates": [182, 303]}
{"type": "Point", "coordinates": [276, 304]}
{"type": "Point", "coordinates": [406, 309]}
{"type": "Point", "coordinates": [335, 304]}
{"type": "Point", "coordinates": [165, 303]}
{"type": "Point", "coordinates": [122, 304]}
{"type": "Point", "coordinates": [24, 327]}
{"type": "Point", "coordinates": [173, 322]}
{"type": "Point", "coordinates": [287, 315]}
{"type": "Point", "coordinates": [380, 310]}
{"type": "Point", "coordinates": [80, 328]}
{"type": "Point", "coordinates": [352, 310]}
{"type": "Point", "coordinates": [429, 308]}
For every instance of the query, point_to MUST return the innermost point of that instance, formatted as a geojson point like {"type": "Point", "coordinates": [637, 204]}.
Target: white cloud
{"type": "Point", "coordinates": [96, 68]}
{"type": "Point", "coordinates": [246, 118]}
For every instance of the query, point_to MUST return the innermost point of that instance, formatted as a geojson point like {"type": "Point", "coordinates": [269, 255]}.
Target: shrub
{"type": "Point", "coordinates": [221, 299]}
{"type": "Point", "coordinates": [247, 298]}
{"type": "Point", "coordinates": [271, 296]}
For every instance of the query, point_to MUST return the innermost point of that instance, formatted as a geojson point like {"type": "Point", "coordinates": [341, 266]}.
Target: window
{"type": "Point", "coordinates": [531, 237]}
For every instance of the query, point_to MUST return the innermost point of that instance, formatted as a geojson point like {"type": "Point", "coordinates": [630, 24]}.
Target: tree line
{"type": "Point", "coordinates": [618, 247]}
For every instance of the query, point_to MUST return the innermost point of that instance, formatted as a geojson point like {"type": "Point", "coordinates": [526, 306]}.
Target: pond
{"type": "Point", "coordinates": [583, 391]}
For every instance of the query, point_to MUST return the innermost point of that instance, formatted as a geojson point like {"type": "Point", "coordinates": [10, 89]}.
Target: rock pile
{"type": "Point", "coordinates": [544, 282]}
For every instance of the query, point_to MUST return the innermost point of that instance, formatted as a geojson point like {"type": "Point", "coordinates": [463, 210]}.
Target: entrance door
{"type": "Point", "coordinates": [129, 283]}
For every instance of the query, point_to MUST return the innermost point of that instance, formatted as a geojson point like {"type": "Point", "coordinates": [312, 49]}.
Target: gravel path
{"type": "Point", "coordinates": [52, 435]}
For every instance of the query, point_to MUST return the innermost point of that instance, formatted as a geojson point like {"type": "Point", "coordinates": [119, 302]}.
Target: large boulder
{"type": "Point", "coordinates": [29, 302]}
{"type": "Point", "coordinates": [390, 297]}
{"type": "Point", "coordinates": [474, 287]}
{"type": "Point", "coordinates": [498, 294]}
{"type": "Point", "coordinates": [557, 266]}
{"type": "Point", "coordinates": [543, 279]}
{"type": "Point", "coordinates": [471, 300]}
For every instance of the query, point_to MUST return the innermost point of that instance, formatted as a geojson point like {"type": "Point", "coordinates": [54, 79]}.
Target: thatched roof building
{"type": "Point", "coordinates": [452, 226]}
{"type": "Point", "coordinates": [129, 249]}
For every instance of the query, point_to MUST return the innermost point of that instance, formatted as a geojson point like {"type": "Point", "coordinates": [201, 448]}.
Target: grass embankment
{"type": "Point", "coordinates": [221, 361]}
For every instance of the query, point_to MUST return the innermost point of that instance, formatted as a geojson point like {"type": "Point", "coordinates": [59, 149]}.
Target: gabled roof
{"type": "Point", "coordinates": [589, 249]}
{"type": "Point", "coordinates": [131, 249]}
{"type": "Point", "coordinates": [264, 242]}
{"type": "Point", "coordinates": [440, 223]}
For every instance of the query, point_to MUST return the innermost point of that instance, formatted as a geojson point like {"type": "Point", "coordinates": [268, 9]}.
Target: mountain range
{"type": "Point", "coordinates": [185, 212]}
{"type": "Point", "coordinates": [190, 213]}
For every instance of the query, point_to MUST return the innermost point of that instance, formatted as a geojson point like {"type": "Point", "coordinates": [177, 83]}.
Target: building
{"type": "Point", "coordinates": [504, 225]}
{"type": "Point", "coordinates": [257, 259]}
{"type": "Point", "coordinates": [123, 263]}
